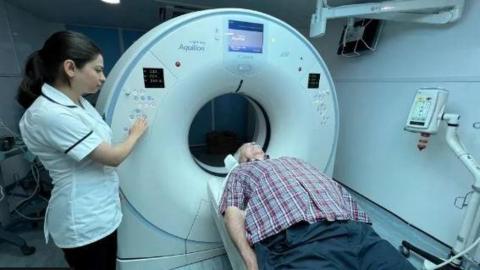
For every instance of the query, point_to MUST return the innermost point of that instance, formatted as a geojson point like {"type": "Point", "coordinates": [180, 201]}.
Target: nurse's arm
{"type": "Point", "coordinates": [235, 222]}
{"type": "Point", "coordinates": [113, 155]}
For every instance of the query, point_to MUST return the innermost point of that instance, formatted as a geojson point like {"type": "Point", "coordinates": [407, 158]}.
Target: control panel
{"type": "Point", "coordinates": [244, 46]}
{"type": "Point", "coordinates": [143, 104]}
{"type": "Point", "coordinates": [426, 112]}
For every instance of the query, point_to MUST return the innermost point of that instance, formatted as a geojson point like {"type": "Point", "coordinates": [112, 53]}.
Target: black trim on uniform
{"type": "Point", "coordinates": [49, 98]}
{"type": "Point", "coordinates": [79, 141]}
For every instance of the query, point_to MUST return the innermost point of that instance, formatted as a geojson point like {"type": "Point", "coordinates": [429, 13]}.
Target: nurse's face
{"type": "Point", "coordinates": [90, 77]}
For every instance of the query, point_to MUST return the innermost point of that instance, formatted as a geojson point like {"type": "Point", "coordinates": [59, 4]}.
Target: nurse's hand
{"type": "Point", "coordinates": [139, 127]}
{"type": "Point", "coordinates": [113, 155]}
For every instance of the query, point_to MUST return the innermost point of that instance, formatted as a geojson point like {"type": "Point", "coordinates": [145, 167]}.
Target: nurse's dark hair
{"type": "Point", "coordinates": [46, 64]}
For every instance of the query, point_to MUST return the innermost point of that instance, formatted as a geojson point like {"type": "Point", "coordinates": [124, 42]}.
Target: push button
{"type": "Point", "coordinates": [244, 68]}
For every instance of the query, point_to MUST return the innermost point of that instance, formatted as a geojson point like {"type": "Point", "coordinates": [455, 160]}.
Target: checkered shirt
{"type": "Point", "coordinates": [278, 193]}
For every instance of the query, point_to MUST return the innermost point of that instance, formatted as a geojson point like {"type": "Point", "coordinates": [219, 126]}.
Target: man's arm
{"type": "Point", "coordinates": [235, 223]}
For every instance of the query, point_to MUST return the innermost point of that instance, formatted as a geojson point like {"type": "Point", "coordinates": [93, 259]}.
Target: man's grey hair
{"type": "Point", "coordinates": [239, 154]}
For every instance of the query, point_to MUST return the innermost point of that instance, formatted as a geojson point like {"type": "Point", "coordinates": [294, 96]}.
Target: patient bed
{"type": "Point", "coordinates": [215, 191]}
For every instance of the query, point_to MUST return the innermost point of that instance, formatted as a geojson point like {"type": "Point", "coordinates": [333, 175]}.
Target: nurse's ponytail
{"type": "Point", "coordinates": [31, 86]}
{"type": "Point", "coordinates": [46, 65]}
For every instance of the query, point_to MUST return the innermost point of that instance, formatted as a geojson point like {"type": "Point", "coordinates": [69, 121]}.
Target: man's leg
{"type": "Point", "coordinates": [323, 245]}
{"type": "Point", "coordinates": [377, 253]}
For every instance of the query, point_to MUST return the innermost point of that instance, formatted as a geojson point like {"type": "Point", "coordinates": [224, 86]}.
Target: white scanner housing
{"type": "Point", "coordinates": [168, 75]}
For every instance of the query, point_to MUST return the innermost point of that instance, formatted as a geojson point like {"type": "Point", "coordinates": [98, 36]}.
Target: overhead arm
{"type": "Point", "coordinates": [419, 11]}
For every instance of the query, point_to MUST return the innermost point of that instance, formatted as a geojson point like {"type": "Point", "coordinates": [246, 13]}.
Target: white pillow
{"type": "Point", "coordinates": [230, 163]}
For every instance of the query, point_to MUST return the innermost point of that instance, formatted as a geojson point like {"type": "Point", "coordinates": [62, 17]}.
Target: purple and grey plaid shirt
{"type": "Point", "coordinates": [278, 193]}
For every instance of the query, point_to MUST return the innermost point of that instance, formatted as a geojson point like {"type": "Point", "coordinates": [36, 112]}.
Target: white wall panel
{"type": "Point", "coordinates": [8, 63]}
{"type": "Point", "coordinates": [28, 32]}
{"type": "Point", "coordinates": [375, 156]}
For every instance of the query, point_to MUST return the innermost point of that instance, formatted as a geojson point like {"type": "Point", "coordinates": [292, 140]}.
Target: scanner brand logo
{"type": "Point", "coordinates": [193, 46]}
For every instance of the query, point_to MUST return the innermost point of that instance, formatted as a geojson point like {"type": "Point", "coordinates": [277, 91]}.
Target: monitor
{"type": "Point", "coordinates": [245, 37]}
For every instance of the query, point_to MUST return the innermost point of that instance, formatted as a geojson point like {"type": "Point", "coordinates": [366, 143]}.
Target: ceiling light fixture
{"type": "Point", "coordinates": [114, 2]}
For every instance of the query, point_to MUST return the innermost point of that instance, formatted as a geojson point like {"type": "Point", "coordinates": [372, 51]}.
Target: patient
{"type": "Point", "coordinates": [285, 214]}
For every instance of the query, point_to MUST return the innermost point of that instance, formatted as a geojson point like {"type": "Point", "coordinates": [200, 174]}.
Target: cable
{"type": "Point", "coordinates": [17, 136]}
{"type": "Point", "coordinates": [348, 26]}
{"type": "Point", "coordinates": [374, 48]}
{"type": "Point", "coordinates": [28, 218]}
{"type": "Point", "coordinates": [2, 194]}
{"type": "Point", "coordinates": [454, 257]}
{"type": "Point", "coordinates": [36, 177]}
{"type": "Point", "coordinates": [35, 174]}
{"type": "Point", "coordinates": [463, 199]}
{"type": "Point", "coordinates": [3, 125]}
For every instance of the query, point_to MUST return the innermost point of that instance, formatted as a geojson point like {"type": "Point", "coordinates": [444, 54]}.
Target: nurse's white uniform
{"type": "Point", "coordinates": [84, 206]}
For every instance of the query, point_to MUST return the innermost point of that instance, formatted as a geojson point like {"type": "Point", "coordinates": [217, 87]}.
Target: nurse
{"type": "Point", "coordinates": [74, 144]}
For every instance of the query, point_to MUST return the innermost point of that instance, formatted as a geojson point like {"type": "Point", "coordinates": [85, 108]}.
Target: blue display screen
{"type": "Point", "coordinates": [245, 37]}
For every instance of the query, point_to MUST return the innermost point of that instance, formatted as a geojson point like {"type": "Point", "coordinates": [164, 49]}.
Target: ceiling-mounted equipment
{"type": "Point", "coordinates": [418, 11]}
{"type": "Point", "coordinates": [359, 36]}
{"type": "Point", "coordinates": [169, 10]}
{"type": "Point", "coordinates": [114, 2]}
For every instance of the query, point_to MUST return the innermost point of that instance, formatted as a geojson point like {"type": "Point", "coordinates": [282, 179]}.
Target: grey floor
{"type": "Point", "coordinates": [46, 255]}
{"type": "Point", "coordinates": [387, 225]}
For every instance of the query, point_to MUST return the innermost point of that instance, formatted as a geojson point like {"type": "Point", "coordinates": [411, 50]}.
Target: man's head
{"type": "Point", "coordinates": [250, 151]}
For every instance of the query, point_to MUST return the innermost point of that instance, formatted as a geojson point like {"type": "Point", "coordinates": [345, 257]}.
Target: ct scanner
{"type": "Point", "coordinates": [168, 75]}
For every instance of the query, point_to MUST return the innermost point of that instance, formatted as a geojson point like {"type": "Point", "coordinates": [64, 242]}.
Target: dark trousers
{"type": "Point", "coordinates": [339, 245]}
{"type": "Point", "coordinates": [99, 255]}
